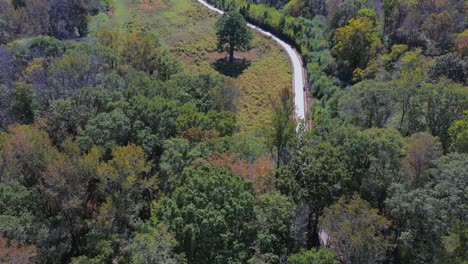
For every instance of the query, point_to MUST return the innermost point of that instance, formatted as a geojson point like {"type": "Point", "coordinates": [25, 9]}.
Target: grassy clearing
{"type": "Point", "coordinates": [187, 29]}
{"type": "Point", "coordinates": [261, 84]}
{"type": "Point", "coordinates": [115, 19]}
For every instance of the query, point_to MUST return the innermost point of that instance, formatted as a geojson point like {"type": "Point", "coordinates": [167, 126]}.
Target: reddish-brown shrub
{"type": "Point", "coordinates": [260, 172]}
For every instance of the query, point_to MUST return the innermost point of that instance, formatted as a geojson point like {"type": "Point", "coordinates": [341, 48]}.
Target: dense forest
{"type": "Point", "coordinates": [112, 151]}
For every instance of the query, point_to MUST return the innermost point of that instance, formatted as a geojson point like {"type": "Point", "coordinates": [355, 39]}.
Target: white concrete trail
{"type": "Point", "coordinates": [296, 61]}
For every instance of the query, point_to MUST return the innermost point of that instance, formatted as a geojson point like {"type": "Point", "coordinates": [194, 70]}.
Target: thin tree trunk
{"type": "Point", "coordinates": [231, 54]}
{"type": "Point", "coordinates": [313, 239]}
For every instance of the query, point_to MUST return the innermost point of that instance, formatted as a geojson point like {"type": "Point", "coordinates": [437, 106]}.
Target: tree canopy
{"type": "Point", "coordinates": [233, 34]}
{"type": "Point", "coordinates": [120, 143]}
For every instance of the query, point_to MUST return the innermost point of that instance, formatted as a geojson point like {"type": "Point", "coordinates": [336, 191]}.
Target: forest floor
{"type": "Point", "coordinates": [188, 29]}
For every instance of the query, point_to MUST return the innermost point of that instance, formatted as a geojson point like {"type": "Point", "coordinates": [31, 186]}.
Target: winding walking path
{"type": "Point", "coordinates": [296, 61]}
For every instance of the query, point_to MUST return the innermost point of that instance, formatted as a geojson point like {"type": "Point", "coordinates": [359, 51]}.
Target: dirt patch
{"type": "Point", "coordinates": [147, 5]}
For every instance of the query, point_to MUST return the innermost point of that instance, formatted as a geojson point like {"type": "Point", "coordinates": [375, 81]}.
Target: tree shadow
{"type": "Point", "coordinates": [233, 69]}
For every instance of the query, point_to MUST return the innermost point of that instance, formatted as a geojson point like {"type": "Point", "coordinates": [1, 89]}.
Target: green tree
{"type": "Point", "coordinates": [452, 66]}
{"type": "Point", "coordinates": [63, 121]}
{"type": "Point", "coordinates": [212, 215]}
{"type": "Point", "coordinates": [166, 66]}
{"type": "Point", "coordinates": [24, 104]}
{"type": "Point", "coordinates": [373, 159]}
{"type": "Point", "coordinates": [71, 72]}
{"type": "Point", "coordinates": [224, 122]}
{"type": "Point", "coordinates": [20, 212]}
{"type": "Point", "coordinates": [355, 145]}
{"type": "Point", "coordinates": [356, 231]}
{"type": "Point", "coordinates": [384, 153]}
{"type": "Point", "coordinates": [25, 153]}
{"type": "Point", "coordinates": [422, 150]}
{"type": "Point", "coordinates": [314, 256]}
{"type": "Point", "coordinates": [295, 8]}
{"type": "Point", "coordinates": [233, 34]}
{"type": "Point", "coordinates": [152, 120]}
{"type": "Point", "coordinates": [188, 118]}
{"type": "Point", "coordinates": [439, 29]}
{"type": "Point", "coordinates": [68, 117]}
{"type": "Point", "coordinates": [369, 104]}
{"type": "Point", "coordinates": [66, 187]}
{"type": "Point", "coordinates": [46, 47]}
{"type": "Point", "coordinates": [284, 128]}
{"type": "Point", "coordinates": [154, 245]}
{"type": "Point", "coordinates": [129, 188]}
{"type": "Point", "coordinates": [107, 130]}
{"type": "Point", "coordinates": [141, 84]}
{"type": "Point", "coordinates": [178, 154]}
{"type": "Point", "coordinates": [420, 221]}
{"type": "Point", "coordinates": [445, 103]}
{"type": "Point", "coordinates": [357, 42]}
{"type": "Point", "coordinates": [424, 217]}
{"type": "Point", "coordinates": [206, 91]}
{"type": "Point", "coordinates": [316, 176]}
{"type": "Point", "coordinates": [392, 16]}
{"type": "Point", "coordinates": [411, 102]}
{"type": "Point", "coordinates": [340, 12]}
{"type": "Point", "coordinates": [141, 51]}
{"type": "Point", "coordinates": [274, 214]}
{"type": "Point", "coordinates": [459, 134]}
{"type": "Point", "coordinates": [6, 115]}
{"type": "Point", "coordinates": [369, 14]}
{"type": "Point", "coordinates": [450, 184]}
{"type": "Point", "coordinates": [456, 242]}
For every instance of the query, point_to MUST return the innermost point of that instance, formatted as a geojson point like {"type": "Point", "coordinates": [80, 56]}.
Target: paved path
{"type": "Point", "coordinates": [296, 61]}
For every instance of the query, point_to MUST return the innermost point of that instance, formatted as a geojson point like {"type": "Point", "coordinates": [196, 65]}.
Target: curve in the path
{"type": "Point", "coordinates": [296, 61]}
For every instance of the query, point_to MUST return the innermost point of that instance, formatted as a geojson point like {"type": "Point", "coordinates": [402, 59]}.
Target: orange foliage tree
{"type": "Point", "coordinates": [260, 172]}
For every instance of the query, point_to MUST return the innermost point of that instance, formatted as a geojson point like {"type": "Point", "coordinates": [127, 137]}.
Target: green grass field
{"type": "Point", "coordinates": [187, 29]}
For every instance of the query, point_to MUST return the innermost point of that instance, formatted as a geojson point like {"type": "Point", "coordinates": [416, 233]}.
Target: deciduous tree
{"type": "Point", "coordinates": [233, 34]}
{"type": "Point", "coordinates": [317, 176]}
{"type": "Point", "coordinates": [212, 216]}
{"type": "Point", "coordinates": [445, 103]}
{"type": "Point", "coordinates": [459, 135]}
{"type": "Point", "coordinates": [356, 231]}
{"type": "Point", "coordinates": [452, 66]}
{"type": "Point", "coordinates": [25, 153]}
{"type": "Point", "coordinates": [439, 29]}
{"type": "Point", "coordinates": [356, 43]}
{"type": "Point", "coordinates": [153, 245]}
{"type": "Point", "coordinates": [369, 104]}
{"type": "Point", "coordinates": [274, 216]}
{"type": "Point", "coordinates": [24, 104]}
{"type": "Point", "coordinates": [422, 150]}
{"type": "Point", "coordinates": [424, 216]}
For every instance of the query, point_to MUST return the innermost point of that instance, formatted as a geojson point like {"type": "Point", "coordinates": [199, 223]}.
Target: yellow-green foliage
{"type": "Point", "coordinates": [356, 42]}
{"type": "Point", "coordinates": [461, 42]}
